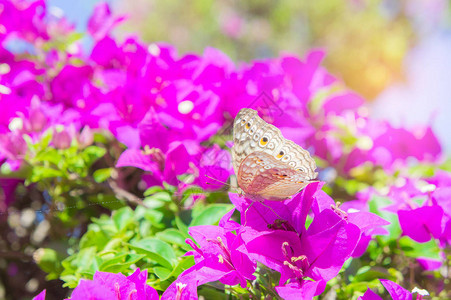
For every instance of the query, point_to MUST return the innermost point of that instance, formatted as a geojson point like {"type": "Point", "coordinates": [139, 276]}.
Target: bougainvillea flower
{"type": "Point", "coordinates": [442, 197]}
{"type": "Point", "coordinates": [24, 18]}
{"type": "Point", "coordinates": [177, 162]}
{"type": "Point", "coordinates": [115, 286]}
{"type": "Point", "coordinates": [387, 146]}
{"type": "Point", "coordinates": [102, 21]}
{"type": "Point", "coordinates": [107, 53]}
{"type": "Point", "coordinates": [154, 134]}
{"type": "Point", "coordinates": [396, 292]}
{"type": "Point", "coordinates": [369, 224]}
{"type": "Point", "coordinates": [193, 111]}
{"type": "Point", "coordinates": [164, 167]}
{"type": "Point", "coordinates": [327, 243]}
{"type": "Point", "coordinates": [319, 254]}
{"type": "Point", "coordinates": [421, 224]}
{"type": "Point", "coordinates": [215, 167]}
{"type": "Point", "coordinates": [7, 189]}
{"type": "Point", "coordinates": [40, 296]}
{"type": "Point", "coordinates": [305, 290]}
{"type": "Point", "coordinates": [213, 67]}
{"type": "Point", "coordinates": [217, 258]}
{"type": "Point", "coordinates": [440, 179]}
{"type": "Point", "coordinates": [429, 264]}
{"type": "Point", "coordinates": [294, 210]}
{"type": "Point", "coordinates": [88, 289]}
{"type": "Point", "coordinates": [302, 73]}
{"type": "Point", "coordinates": [12, 145]}
{"type": "Point", "coordinates": [423, 210]}
{"type": "Point", "coordinates": [279, 250]}
{"type": "Point", "coordinates": [399, 144]}
{"type": "Point", "coordinates": [62, 139]}
{"type": "Point", "coordinates": [342, 102]}
{"type": "Point", "coordinates": [185, 287]}
{"type": "Point", "coordinates": [402, 196]}
{"type": "Point", "coordinates": [72, 85]}
{"type": "Point", "coordinates": [218, 246]}
{"type": "Point", "coordinates": [370, 295]}
{"type": "Point", "coordinates": [164, 109]}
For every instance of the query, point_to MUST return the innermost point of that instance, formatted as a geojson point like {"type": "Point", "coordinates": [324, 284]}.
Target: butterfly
{"type": "Point", "coordinates": [267, 165]}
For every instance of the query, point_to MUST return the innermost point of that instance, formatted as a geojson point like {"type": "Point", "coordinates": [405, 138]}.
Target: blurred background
{"type": "Point", "coordinates": [395, 53]}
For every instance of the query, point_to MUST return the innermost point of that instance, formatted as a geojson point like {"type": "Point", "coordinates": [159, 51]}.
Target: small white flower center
{"type": "Point", "coordinates": [185, 107]}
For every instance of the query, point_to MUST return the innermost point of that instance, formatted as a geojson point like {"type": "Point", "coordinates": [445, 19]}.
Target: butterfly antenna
{"type": "Point", "coordinates": [267, 206]}
{"type": "Point", "coordinates": [225, 183]}
{"type": "Point", "coordinates": [245, 212]}
{"type": "Point", "coordinates": [270, 208]}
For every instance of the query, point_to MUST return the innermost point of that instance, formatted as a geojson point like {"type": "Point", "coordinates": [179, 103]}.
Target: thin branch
{"type": "Point", "coordinates": [124, 195]}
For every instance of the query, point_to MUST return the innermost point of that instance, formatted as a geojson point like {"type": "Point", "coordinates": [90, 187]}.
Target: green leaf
{"type": "Point", "coordinates": [158, 251]}
{"type": "Point", "coordinates": [115, 243]}
{"type": "Point", "coordinates": [375, 205]}
{"type": "Point", "coordinates": [153, 190]}
{"type": "Point", "coordinates": [359, 287]}
{"type": "Point", "coordinates": [71, 281]}
{"type": "Point", "coordinates": [49, 261]}
{"type": "Point", "coordinates": [48, 155]}
{"type": "Point", "coordinates": [74, 36]}
{"type": "Point", "coordinates": [182, 226]}
{"type": "Point", "coordinates": [155, 217]}
{"type": "Point", "coordinates": [370, 273]}
{"type": "Point", "coordinates": [162, 273]}
{"type": "Point", "coordinates": [157, 200]}
{"type": "Point", "coordinates": [413, 249]}
{"type": "Point", "coordinates": [41, 172]}
{"type": "Point", "coordinates": [120, 262]}
{"type": "Point", "coordinates": [85, 259]}
{"type": "Point", "coordinates": [209, 293]}
{"type": "Point", "coordinates": [192, 190]}
{"type": "Point", "coordinates": [184, 263]}
{"type": "Point", "coordinates": [174, 236]}
{"type": "Point", "coordinates": [123, 217]}
{"type": "Point", "coordinates": [92, 153]}
{"type": "Point", "coordinates": [102, 175]}
{"type": "Point", "coordinates": [94, 238]}
{"type": "Point", "coordinates": [211, 214]}
{"type": "Point", "coordinates": [84, 262]}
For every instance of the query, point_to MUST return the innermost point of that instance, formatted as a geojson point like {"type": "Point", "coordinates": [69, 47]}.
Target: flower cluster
{"type": "Point", "coordinates": [395, 291]}
{"type": "Point", "coordinates": [423, 211]}
{"type": "Point", "coordinates": [163, 107]}
{"type": "Point", "coordinates": [113, 286]}
{"type": "Point", "coordinates": [275, 235]}
{"type": "Point", "coordinates": [171, 115]}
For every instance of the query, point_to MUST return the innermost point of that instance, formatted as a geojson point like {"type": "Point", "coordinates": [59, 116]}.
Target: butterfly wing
{"type": "Point", "coordinates": [261, 176]}
{"type": "Point", "coordinates": [251, 133]}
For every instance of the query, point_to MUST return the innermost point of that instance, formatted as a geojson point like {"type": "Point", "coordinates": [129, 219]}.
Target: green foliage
{"type": "Point", "coordinates": [50, 261]}
{"type": "Point", "coordinates": [138, 238]}
{"type": "Point", "coordinates": [210, 214]}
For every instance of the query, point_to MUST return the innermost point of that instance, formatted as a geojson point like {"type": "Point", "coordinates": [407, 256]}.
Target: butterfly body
{"type": "Point", "coordinates": [267, 165]}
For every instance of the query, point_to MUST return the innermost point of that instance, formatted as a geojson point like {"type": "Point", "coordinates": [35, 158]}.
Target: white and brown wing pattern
{"type": "Point", "coordinates": [267, 165]}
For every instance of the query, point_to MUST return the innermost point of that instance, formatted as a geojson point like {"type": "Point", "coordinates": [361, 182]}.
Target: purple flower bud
{"type": "Point", "coordinates": [62, 140]}
{"type": "Point", "coordinates": [37, 120]}
{"type": "Point", "coordinates": [86, 137]}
